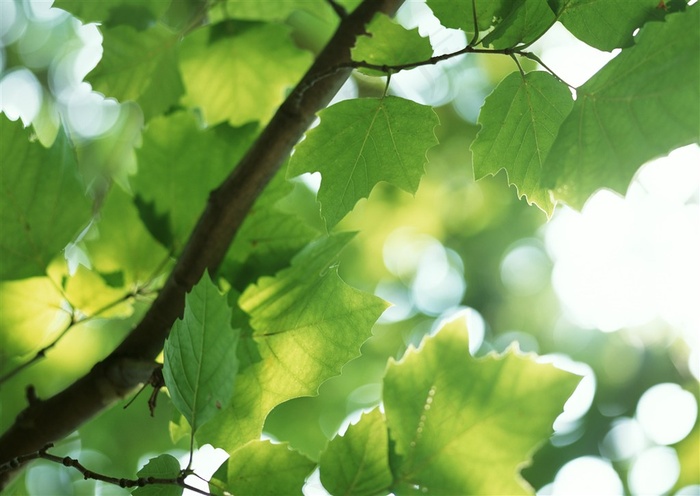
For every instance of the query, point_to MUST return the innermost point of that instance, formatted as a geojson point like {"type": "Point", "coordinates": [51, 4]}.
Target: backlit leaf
{"type": "Point", "coordinates": [641, 105]}
{"type": "Point", "coordinates": [307, 323]}
{"type": "Point", "coordinates": [261, 468]}
{"type": "Point", "coordinates": [42, 202]}
{"type": "Point", "coordinates": [161, 467]}
{"type": "Point", "coordinates": [357, 463]}
{"type": "Point", "coordinates": [459, 14]}
{"type": "Point", "coordinates": [524, 24]}
{"type": "Point", "coordinates": [361, 142]}
{"type": "Point", "coordinates": [140, 66]}
{"type": "Point", "coordinates": [389, 43]}
{"type": "Point", "coordinates": [462, 425]}
{"type": "Point", "coordinates": [240, 71]}
{"type": "Point", "coordinates": [110, 10]}
{"type": "Point", "coordinates": [179, 165]}
{"type": "Point", "coordinates": [200, 361]}
{"type": "Point", "coordinates": [519, 122]}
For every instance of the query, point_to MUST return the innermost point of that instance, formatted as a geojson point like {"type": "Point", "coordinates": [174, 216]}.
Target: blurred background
{"type": "Point", "coordinates": [610, 293]}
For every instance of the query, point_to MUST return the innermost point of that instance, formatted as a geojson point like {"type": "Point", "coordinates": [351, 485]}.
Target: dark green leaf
{"type": "Point", "coordinates": [519, 122]}
{"type": "Point", "coordinates": [459, 14]}
{"type": "Point", "coordinates": [140, 66]}
{"type": "Point", "coordinates": [529, 20]}
{"type": "Point", "coordinates": [641, 105]}
{"type": "Point", "coordinates": [361, 142]}
{"type": "Point", "coordinates": [160, 467]}
{"type": "Point", "coordinates": [463, 425]}
{"type": "Point", "coordinates": [43, 205]}
{"type": "Point", "coordinates": [358, 463]}
{"type": "Point", "coordinates": [104, 10]}
{"type": "Point", "coordinates": [605, 24]}
{"type": "Point", "coordinates": [243, 75]}
{"type": "Point", "coordinates": [200, 361]}
{"type": "Point", "coordinates": [261, 468]}
{"type": "Point", "coordinates": [307, 323]}
{"type": "Point", "coordinates": [389, 43]}
{"type": "Point", "coordinates": [179, 165]}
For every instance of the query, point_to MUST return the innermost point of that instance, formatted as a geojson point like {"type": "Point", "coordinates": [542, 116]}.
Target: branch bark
{"type": "Point", "coordinates": [131, 363]}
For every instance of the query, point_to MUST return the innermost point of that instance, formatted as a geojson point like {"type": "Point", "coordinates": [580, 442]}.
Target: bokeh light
{"type": "Point", "coordinates": [654, 471]}
{"type": "Point", "coordinates": [667, 413]}
{"type": "Point", "coordinates": [585, 476]}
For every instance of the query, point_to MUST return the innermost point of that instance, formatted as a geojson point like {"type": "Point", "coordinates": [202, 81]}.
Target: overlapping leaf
{"type": "Point", "coordinates": [641, 105]}
{"type": "Point", "coordinates": [261, 468]}
{"type": "Point", "coordinates": [462, 425]}
{"type": "Point", "coordinates": [240, 71]}
{"type": "Point", "coordinates": [459, 14]}
{"type": "Point", "coordinates": [604, 24]}
{"type": "Point", "coordinates": [389, 43]}
{"type": "Point", "coordinates": [161, 467]}
{"type": "Point", "coordinates": [357, 463]}
{"type": "Point", "coordinates": [361, 142]}
{"type": "Point", "coordinates": [307, 323]}
{"type": "Point", "coordinates": [200, 362]}
{"type": "Point", "coordinates": [519, 122]}
{"type": "Point", "coordinates": [140, 66]}
{"type": "Point", "coordinates": [42, 206]}
{"type": "Point", "coordinates": [523, 24]}
{"type": "Point", "coordinates": [179, 164]}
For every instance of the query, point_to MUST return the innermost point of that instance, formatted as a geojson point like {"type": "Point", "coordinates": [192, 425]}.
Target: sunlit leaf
{"type": "Point", "coordinates": [389, 43]}
{"type": "Point", "coordinates": [307, 323]}
{"type": "Point", "coordinates": [519, 122]}
{"type": "Point", "coordinates": [115, 11]}
{"type": "Point", "coordinates": [261, 468]}
{"type": "Point", "coordinates": [179, 165]}
{"type": "Point", "coordinates": [357, 463]}
{"type": "Point", "coordinates": [462, 425]}
{"type": "Point", "coordinates": [641, 105]}
{"type": "Point", "coordinates": [161, 467]}
{"type": "Point", "coordinates": [605, 24]}
{"type": "Point", "coordinates": [362, 142]}
{"type": "Point", "coordinates": [200, 361]}
{"type": "Point", "coordinates": [524, 24]}
{"type": "Point", "coordinates": [42, 203]}
{"type": "Point", "coordinates": [459, 14]}
{"type": "Point", "coordinates": [240, 71]}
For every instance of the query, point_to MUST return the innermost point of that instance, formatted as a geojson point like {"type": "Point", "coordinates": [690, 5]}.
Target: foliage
{"type": "Point", "coordinates": [213, 251]}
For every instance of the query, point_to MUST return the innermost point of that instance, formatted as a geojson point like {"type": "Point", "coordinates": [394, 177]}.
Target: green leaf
{"type": "Point", "coordinates": [121, 243]}
{"type": "Point", "coordinates": [605, 24]}
{"type": "Point", "coordinates": [358, 463]}
{"type": "Point", "coordinates": [307, 323]}
{"type": "Point", "coordinates": [389, 43]}
{"type": "Point", "coordinates": [103, 10]}
{"type": "Point", "coordinates": [173, 172]}
{"type": "Point", "coordinates": [463, 425]}
{"type": "Point", "coordinates": [519, 122]}
{"type": "Point", "coordinates": [140, 66]}
{"type": "Point", "coordinates": [200, 361]}
{"type": "Point", "coordinates": [459, 14]}
{"type": "Point", "coordinates": [261, 468]}
{"type": "Point", "coordinates": [641, 105]}
{"type": "Point", "coordinates": [42, 203]}
{"type": "Point", "coordinates": [161, 467]}
{"type": "Point", "coordinates": [361, 142]}
{"type": "Point", "coordinates": [523, 24]}
{"type": "Point", "coordinates": [240, 71]}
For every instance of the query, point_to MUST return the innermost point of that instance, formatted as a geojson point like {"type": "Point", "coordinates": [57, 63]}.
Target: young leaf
{"type": "Point", "coordinates": [389, 43]}
{"type": "Point", "coordinates": [242, 77]}
{"type": "Point", "coordinates": [519, 122]}
{"type": "Point", "coordinates": [361, 142]}
{"type": "Point", "coordinates": [161, 467]}
{"type": "Point", "coordinates": [140, 66]}
{"type": "Point", "coordinates": [463, 425]}
{"type": "Point", "coordinates": [357, 464]}
{"type": "Point", "coordinates": [523, 24]}
{"type": "Point", "coordinates": [200, 362]}
{"type": "Point", "coordinates": [172, 171]}
{"type": "Point", "coordinates": [42, 202]}
{"type": "Point", "coordinates": [307, 323]}
{"type": "Point", "coordinates": [641, 105]}
{"type": "Point", "coordinates": [261, 468]}
{"type": "Point", "coordinates": [605, 24]}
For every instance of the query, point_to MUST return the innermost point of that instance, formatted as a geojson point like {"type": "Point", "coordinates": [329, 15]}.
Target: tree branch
{"type": "Point", "coordinates": [45, 421]}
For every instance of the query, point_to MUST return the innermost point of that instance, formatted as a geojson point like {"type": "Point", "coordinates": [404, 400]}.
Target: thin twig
{"type": "Point", "coordinates": [532, 56]}
{"type": "Point", "coordinates": [89, 474]}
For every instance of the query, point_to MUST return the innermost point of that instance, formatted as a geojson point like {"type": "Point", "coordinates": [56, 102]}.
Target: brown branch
{"type": "Point", "coordinates": [67, 461]}
{"type": "Point", "coordinates": [131, 363]}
